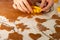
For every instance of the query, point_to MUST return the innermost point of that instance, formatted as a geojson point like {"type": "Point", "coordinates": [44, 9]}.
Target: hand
{"type": "Point", "coordinates": [22, 5]}
{"type": "Point", "coordinates": [46, 7]}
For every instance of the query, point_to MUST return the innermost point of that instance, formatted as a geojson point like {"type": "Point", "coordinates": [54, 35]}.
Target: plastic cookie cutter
{"type": "Point", "coordinates": [58, 9]}
{"type": "Point", "coordinates": [36, 9]}
{"type": "Point", "coordinates": [55, 1]}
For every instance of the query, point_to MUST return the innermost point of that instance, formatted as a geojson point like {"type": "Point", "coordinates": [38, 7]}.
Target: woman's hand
{"type": "Point", "coordinates": [46, 5]}
{"type": "Point", "coordinates": [22, 5]}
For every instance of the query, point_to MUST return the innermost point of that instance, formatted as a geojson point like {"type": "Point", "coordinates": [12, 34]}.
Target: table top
{"type": "Point", "coordinates": [16, 25]}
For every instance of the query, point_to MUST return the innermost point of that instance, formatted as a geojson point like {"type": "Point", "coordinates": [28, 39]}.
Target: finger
{"type": "Point", "coordinates": [47, 10]}
{"type": "Point", "coordinates": [27, 5]}
{"type": "Point", "coordinates": [50, 3]}
{"type": "Point", "coordinates": [20, 8]}
{"type": "Point", "coordinates": [14, 6]}
{"type": "Point", "coordinates": [15, 1]}
{"type": "Point", "coordinates": [42, 3]}
{"type": "Point", "coordinates": [23, 6]}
